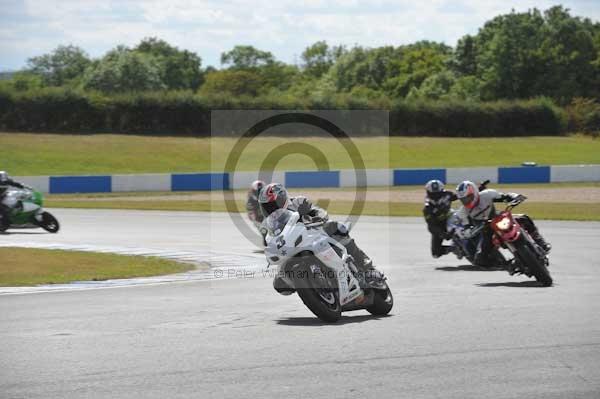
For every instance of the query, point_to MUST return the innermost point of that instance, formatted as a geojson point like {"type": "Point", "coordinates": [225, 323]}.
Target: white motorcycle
{"type": "Point", "coordinates": [319, 268]}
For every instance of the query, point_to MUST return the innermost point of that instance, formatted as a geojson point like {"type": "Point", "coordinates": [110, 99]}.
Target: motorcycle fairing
{"type": "Point", "coordinates": [295, 238]}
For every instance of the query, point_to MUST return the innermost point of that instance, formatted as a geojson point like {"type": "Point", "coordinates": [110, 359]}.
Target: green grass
{"type": "Point", "coordinates": [44, 154]}
{"type": "Point", "coordinates": [26, 266]}
{"type": "Point", "coordinates": [538, 210]}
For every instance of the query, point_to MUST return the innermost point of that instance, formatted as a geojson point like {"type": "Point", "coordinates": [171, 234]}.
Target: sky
{"type": "Point", "coordinates": [208, 28]}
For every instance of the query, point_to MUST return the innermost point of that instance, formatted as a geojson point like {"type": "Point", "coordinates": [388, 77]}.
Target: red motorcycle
{"type": "Point", "coordinates": [529, 258]}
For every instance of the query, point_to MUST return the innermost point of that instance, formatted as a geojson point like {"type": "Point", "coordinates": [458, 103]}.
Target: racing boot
{"type": "Point", "coordinates": [372, 277]}
{"type": "Point", "coordinates": [448, 249]}
{"type": "Point", "coordinates": [361, 260]}
{"type": "Point", "coordinates": [443, 250]}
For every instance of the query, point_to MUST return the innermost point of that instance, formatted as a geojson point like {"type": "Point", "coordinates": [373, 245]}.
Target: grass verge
{"type": "Point", "coordinates": [538, 210]}
{"type": "Point", "coordinates": [27, 266]}
{"type": "Point", "coordinates": [48, 154]}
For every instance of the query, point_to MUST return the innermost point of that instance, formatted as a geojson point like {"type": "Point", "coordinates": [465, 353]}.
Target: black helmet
{"type": "Point", "coordinates": [434, 188]}
{"type": "Point", "coordinates": [273, 197]}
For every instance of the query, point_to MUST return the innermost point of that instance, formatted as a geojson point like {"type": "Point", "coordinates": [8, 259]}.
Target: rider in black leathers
{"type": "Point", "coordinates": [436, 211]}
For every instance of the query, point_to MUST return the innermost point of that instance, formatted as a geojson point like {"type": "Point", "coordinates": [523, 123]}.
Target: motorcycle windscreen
{"type": "Point", "coordinates": [277, 220]}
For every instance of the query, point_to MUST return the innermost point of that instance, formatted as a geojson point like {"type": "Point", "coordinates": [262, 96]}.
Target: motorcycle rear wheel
{"type": "Point", "coordinates": [528, 258]}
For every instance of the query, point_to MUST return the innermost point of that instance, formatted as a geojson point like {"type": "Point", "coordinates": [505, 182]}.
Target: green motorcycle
{"type": "Point", "coordinates": [25, 211]}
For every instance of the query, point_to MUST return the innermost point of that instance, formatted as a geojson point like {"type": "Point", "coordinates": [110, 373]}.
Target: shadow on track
{"type": "Point", "coordinates": [515, 284]}
{"type": "Point", "coordinates": [313, 321]}
{"type": "Point", "coordinates": [469, 268]}
{"type": "Point", "coordinates": [8, 233]}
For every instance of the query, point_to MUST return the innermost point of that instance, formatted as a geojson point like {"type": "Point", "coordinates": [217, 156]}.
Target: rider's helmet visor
{"type": "Point", "coordinates": [467, 199]}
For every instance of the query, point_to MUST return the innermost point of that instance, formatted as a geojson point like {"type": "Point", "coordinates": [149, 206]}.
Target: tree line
{"type": "Point", "coordinates": [516, 56]}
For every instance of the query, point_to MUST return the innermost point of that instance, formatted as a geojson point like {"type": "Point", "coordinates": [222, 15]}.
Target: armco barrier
{"type": "Point", "coordinates": [306, 179]}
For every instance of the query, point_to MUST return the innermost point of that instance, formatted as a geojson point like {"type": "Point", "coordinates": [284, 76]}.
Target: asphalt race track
{"type": "Point", "coordinates": [454, 332]}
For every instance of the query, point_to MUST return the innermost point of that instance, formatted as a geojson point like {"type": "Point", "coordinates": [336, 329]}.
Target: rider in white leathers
{"type": "Point", "coordinates": [274, 196]}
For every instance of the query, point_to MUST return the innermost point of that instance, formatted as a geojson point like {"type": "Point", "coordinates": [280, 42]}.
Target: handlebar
{"type": "Point", "coordinates": [312, 221]}
{"type": "Point", "coordinates": [517, 201]}
{"type": "Point", "coordinates": [483, 185]}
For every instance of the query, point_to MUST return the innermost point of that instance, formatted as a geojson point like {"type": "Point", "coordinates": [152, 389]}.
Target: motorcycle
{"type": "Point", "coordinates": [528, 257]}
{"type": "Point", "coordinates": [25, 211]}
{"type": "Point", "coordinates": [466, 240]}
{"type": "Point", "coordinates": [319, 269]}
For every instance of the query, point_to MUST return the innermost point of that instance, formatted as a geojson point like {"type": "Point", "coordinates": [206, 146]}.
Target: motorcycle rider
{"type": "Point", "coordinates": [274, 196]}
{"type": "Point", "coordinates": [478, 207]}
{"type": "Point", "coordinates": [5, 183]}
{"type": "Point", "coordinates": [436, 212]}
{"type": "Point", "coordinates": [253, 208]}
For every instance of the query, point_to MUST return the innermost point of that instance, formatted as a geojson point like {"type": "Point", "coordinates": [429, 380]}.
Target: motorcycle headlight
{"type": "Point", "coordinates": [503, 224]}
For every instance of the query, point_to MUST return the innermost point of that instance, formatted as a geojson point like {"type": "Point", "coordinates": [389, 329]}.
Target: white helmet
{"type": "Point", "coordinates": [468, 193]}
{"type": "Point", "coordinates": [273, 197]}
{"type": "Point", "coordinates": [3, 176]}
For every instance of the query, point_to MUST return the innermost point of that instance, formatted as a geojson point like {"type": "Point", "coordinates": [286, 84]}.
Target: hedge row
{"type": "Point", "coordinates": [183, 113]}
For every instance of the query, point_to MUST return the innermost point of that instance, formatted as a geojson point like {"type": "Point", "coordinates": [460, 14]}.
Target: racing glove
{"type": "Point", "coordinates": [304, 206]}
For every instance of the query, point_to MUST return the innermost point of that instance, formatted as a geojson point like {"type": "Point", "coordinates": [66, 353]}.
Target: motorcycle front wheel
{"type": "Point", "coordinates": [528, 258]}
{"type": "Point", "coordinates": [323, 302]}
{"type": "Point", "coordinates": [49, 223]}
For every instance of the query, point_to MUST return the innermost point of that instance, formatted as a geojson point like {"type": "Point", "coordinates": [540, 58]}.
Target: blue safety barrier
{"type": "Point", "coordinates": [312, 179]}
{"type": "Point", "coordinates": [200, 181]}
{"type": "Point", "coordinates": [526, 174]}
{"type": "Point", "coordinates": [407, 177]}
{"type": "Point", "coordinates": [79, 184]}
